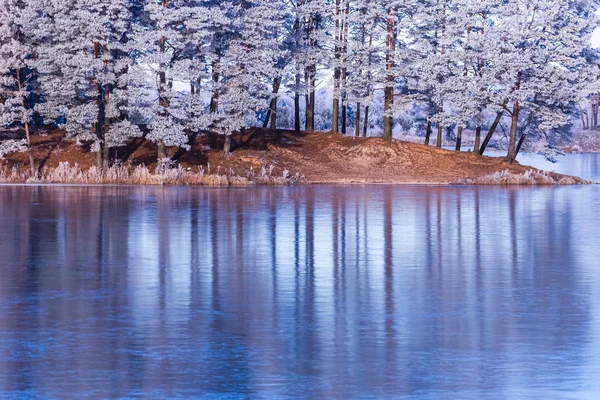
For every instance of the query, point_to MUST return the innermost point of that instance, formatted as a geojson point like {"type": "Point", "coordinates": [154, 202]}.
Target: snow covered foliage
{"type": "Point", "coordinates": [110, 70]}
{"type": "Point", "coordinates": [81, 57]}
{"type": "Point", "coordinates": [15, 51]}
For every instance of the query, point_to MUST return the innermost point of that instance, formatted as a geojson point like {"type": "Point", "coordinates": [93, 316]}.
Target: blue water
{"type": "Point", "coordinates": [307, 292]}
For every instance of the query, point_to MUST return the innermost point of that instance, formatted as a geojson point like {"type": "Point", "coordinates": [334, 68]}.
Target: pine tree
{"type": "Point", "coordinates": [16, 48]}
{"type": "Point", "coordinates": [80, 59]}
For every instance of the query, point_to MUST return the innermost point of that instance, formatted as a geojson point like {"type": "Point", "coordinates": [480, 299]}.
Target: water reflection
{"type": "Point", "coordinates": [316, 292]}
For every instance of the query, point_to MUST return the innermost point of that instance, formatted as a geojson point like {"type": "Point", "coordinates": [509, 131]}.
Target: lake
{"type": "Point", "coordinates": [301, 292]}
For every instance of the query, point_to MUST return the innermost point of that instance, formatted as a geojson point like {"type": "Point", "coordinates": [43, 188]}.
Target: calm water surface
{"type": "Point", "coordinates": [308, 292]}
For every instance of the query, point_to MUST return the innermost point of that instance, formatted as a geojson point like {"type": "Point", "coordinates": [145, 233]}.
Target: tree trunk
{"type": "Point", "coordinates": [594, 107]}
{"type": "Point", "coordinates": [26, 125]}
{"type": "Point", "coordinates": [99, 125]}
{"type": "Point", "coordinates": [105, 121]}
{"type": "Point", "coordinates": [272, 111]}
{"type": "Point", "coordinates": [267, 117]}
{"type": "Point", "coordinates": [584, 124]}
{"type": "Point", "coordinates": [105, 155]}
{"type": "Point", "coordinates": [310, 106]}
{"type": "Point", "coordinates": [163, 101]}
{"type": "Point", "coordinates": [335, 113]}
{"type": "Point", "coordinates": [298, 34]}
{"type": "Point", "coordinates": [227, 146]}
{"type": "Point", "coordinates": [512, 141]}
{"type": "Point", "coordinates": [587, 122]}
{"type": "Point", "coordinates": [357, 130]}
{"type": "Point", "coordinates": [344, 115]}
{"type": "Point", "coordinates": [162, 149]}
{"type": "Point", "coordinates": [297, 104]}
{"type": "Point", "coordinates": [274, 115]}
{"type": "Point", "coordinates": [388, 120]}
{"type": "Point", "coordinates": [366, 121]}
{"type": "Point", "coordinates": [335, 116]}
{"type": "Point", "coordinates": [477, 139]}
{"type": "Point", "coordinates": [491, 132]}
{"type": "Point", "coordinates": [214, 101]}
{"type": "Point", "coordinates": [521, 141]}
{"type": "Point", "coordinates": [428, 132]}
{"type": "Point", "coordinates": [440, 138]}
{"type": "Point", "coordinates": [344, 34]}
{"type": "Point", "coordinates": [459, 137]}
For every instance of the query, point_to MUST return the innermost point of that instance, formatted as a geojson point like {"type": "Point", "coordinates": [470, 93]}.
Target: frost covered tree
{"type": "Point", "coordinates": [110, 70]}
{"type": "Point", "coordinates": [311, 18]}
{"type": "Point", "coordinates": [15, 73]}
{"type": "Point", "coordinates": [170, 54]}
{"type": "Point", "coordinates": [361, 57]}
{"type": "Point", "coordinates": [249, 64]}
{"type": "Point", "coordinates": [541, 63]}
{"type": "Point", "coordinates": [80, 59]}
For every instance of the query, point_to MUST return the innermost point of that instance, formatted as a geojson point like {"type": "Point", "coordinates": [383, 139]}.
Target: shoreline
{"type": "Point", "coordinates": [273, 158]}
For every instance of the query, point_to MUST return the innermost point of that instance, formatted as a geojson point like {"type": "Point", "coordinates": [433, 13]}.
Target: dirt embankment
{"type": "Point", "coordinates": [284, 156]}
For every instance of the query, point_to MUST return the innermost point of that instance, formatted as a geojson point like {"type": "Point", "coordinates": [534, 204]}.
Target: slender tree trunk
{"type": "Point", "coordinates": [366, 122]}
{"type": "Point", "coordinates": [344, 116]}
{"type": "Point", "coordinates": [298, 35]}
{"type": "Point", "coordinates": [512, 141]}
{"type": "Point", "coordinates": [357, 130]}
{"type": "Point", "coordinates": [26, 125]}
{"type": "Point", "coordinates": [440, 138]}
{"type": "Point", "coordinates": [310, 76]}
{"type": "Point", "coordinates": [227, 146]}
{"type": "Point", "coordinates": [307, 99]}
{"type": "Point", "coordinates": [459, 137]}
{"type": "Point", "coordinates": [335, 116]}
{"type": "Point", "coordinates": [105, 121]}
{"type": "Point", "coordinates": [428, 132]}
{"type": "Point", "coordinates": [594, 107]}
{"type": "Point", "coordinates": [477, 139]}
{"type": "Point", "coordinates": [521, 141]}
{"type": "Point", "coordinates": [99, 125]}
{"type": "Point", "coordinates": [30, 150]}
{"type": "Point", "coordinates": [274, 115]}
{"type": "Point", "coordinates": [214, 101]}
{"type": "Point", "coordinates": [310, 106]}
{"type": "Point", "coordinates": [161, 150]}
{"type": "Point", "coordinates": [388, 120]}
{"type": "Point", "coordinates": [335, 112]}
{"type": "Point", "coordinates": [297, 104]}
{"type": "Point", "coordinates": [491, 132]}
{"type": "Point", "coordinates": [584, 125]}
{"type": "Point", "coordinates": [272, 111]}
{"type": "Point", "coordinates": [345, 70]}
{"type": "Point", "coordinates": [164, 102]}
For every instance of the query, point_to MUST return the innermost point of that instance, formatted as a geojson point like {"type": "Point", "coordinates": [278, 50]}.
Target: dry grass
{"type": "Point", "coordinates": [529, 177]}
{"type": "Point", "coordinates": [139, 175]}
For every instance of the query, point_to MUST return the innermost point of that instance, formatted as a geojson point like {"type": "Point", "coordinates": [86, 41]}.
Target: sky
{"type": "Point", "coordinates": [596, 38]}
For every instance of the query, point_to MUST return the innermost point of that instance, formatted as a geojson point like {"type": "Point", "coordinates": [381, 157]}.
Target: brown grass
{"type": "Point", "coordinates": [271, 157]}
{"type": "Point", "coordinates": [139, 175]}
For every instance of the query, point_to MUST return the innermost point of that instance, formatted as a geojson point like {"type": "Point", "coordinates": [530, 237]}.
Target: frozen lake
{"type": "Point", "coordinates": [303, 292]}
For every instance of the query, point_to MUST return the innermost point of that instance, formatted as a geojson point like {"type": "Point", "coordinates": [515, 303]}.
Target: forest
{"type": "Point", "coordinates": [108, 71]}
